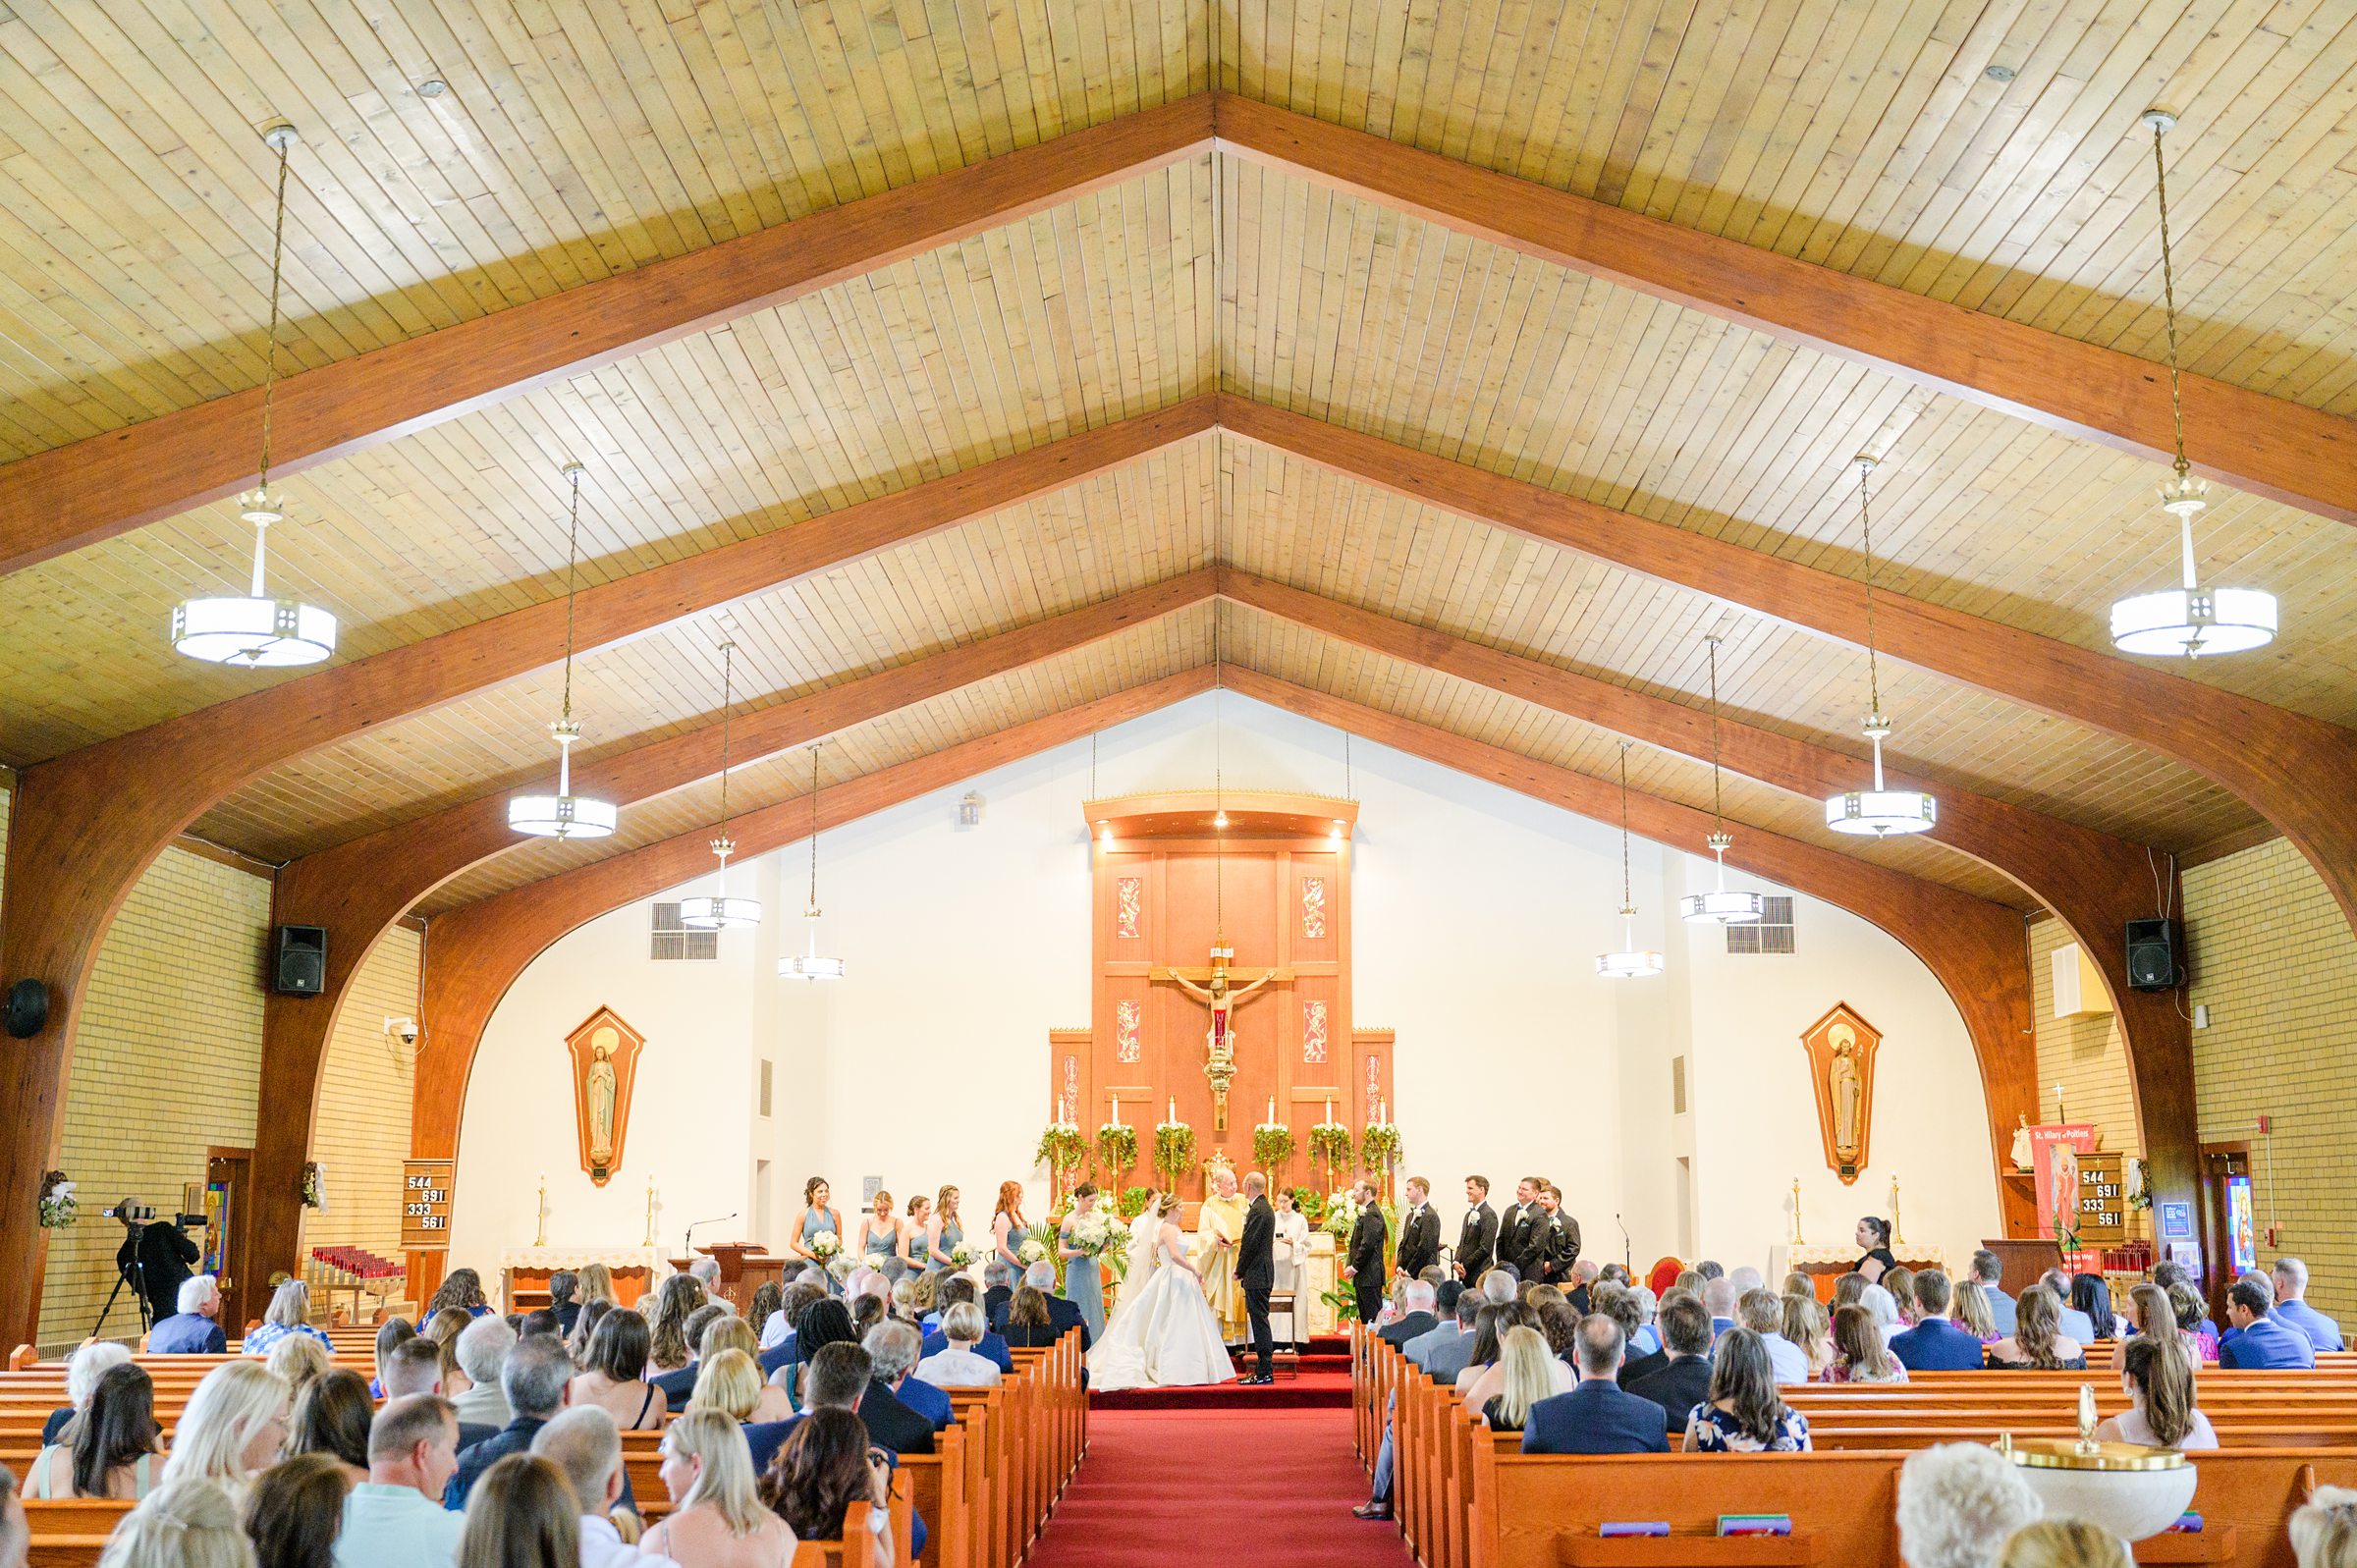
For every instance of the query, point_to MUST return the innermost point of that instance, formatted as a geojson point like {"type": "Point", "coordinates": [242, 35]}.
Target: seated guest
{"type": "Point", "coordinates": [2146, 1311]}
{"type": "Point", "coordinates": [585, 1444]}
{"type": "Point", "coordinates": [843, 1377]}
{"type": "Point", "coordinates": [1417, 1316]}
{"type": "Point", "coordinates": [1709, 1269]}
{"type": "Point", "coordinates": [994, 1346]}
{"type": "Point", "coordinates": [2193, 1318]}
{"type": "Point", "coordinates": [1596, 1417]}
{"type": "Point", "coordinates": [2037, 1340]}
{"type": "Point", "coordinates": [2291, 1278]}
{"type": "Point", "coordinates": [463, 1290]}
{"type": "Point", "coordinates": [298, 1359]}
{"type": "Point", "coordinates": [416, 1369]}
{"type": "Point", "coordinates": [1807, 1326]}
{"type": "Point", "coordinates": [1580, 1285]}
{"type": "Point", "coordinates": [584, 1330]}
{"type": "Point", "coordinates": [1957, 1502]}
{"type": "Point", "coordinates": [826, 1468]}
{"type": "Point", "coordinates": [1559, 1325]}
{"type": "Point", "coordinates": [1442, 1353]}
{"type": "Point", "coordinates": [997, 1288]}
{"type": "Point", "coordinates": [539, 1321]}
{"type": "Point", "coordinates": [562, 1286]}
{"type": "Point", "coordinates": [825, 1322]}
{"type": "Point", "coordinates": [768, 1296]}
{"type": "Point", "coordinates": [2090, 1295]}
{"type": "Point", "coordinates": [115, 1443]}
{"type": "Point", "coordinates": [1619, 1304]}
{"type": "Point", "coordinates": [1477, 1387]}
{"type": "Point", "coordinates": [705, 1272]}
{"type": "Point", "coordinates": [391, 1335]}
{"type": "Point", "coordinates": [2324, 1530]}
{"type": "Point", "coordinates": [532, 1378]}
{"type": "Point", "coordinates": [395, 1519]}
{"type": "Point", "coordinates": [717, 1519]}
{"type": "Point", "coordinates": [893, 1349]}
{"type": "Point", "coordinates": [290, 1312]}
{"type": "Point", "coordinates": [1968, 1307]}
{"type": "Point", "coordinates": [1719, 1295]}
{"type": "Point", "coordinates": [331, 1417]}
{"type": "Point", "coordinates": [2161, 1412]}
{"type": "Point", "coordinates": [1528, 1371]}
{"type": "Point", "coordinates": [678, 1384]}
{"type": "Point", "coordinates": [2257, 1337]}
{"type": "Point", "coordinates": [730, 1383]}
{"type": "Point", "coordinates": [1988, 1270]}
{"type": "Point", "coordinates": [297, 1510]}
{"type": "Point", "coordinates": [182, 1522]}
{"type": "Point", "coordinates": [1763, 1313]}
{"type": "Point", "coordinates": [83, 1370]}
{"type": "Point", "coordinates": [1882, 1307]}
{"type": "Point", "coordinates": [1064, 1314]}
{"type": "Point", "coordinates": [1500, 1284]}
{"type": "Point", "coordinates": [780, 1348]}
{"type": "Point", "coordinates": [231, 1429]}
{"type": "Point", "coordinates": [955, 1364]}
{"type": "Point", "coordinates": [614, 1379]}
{"type": "Point", "coordinates": [2075, 1324]}
{"type": "Point", "coordinates": [1744, 1414]}
{"type": "Point", "coordinates": [484, 1348]}
{"type": "Point", "coordinates": [1797, 1283]}
{"type": "Point", "coordinates": [1684, 1379]}
{"type": "Point", "coordinates": [1935, 1344]}
{"type": "Point", "coordinates": [1900, 1282]}
{"type": "Point", "coordinates": [16, 1532]}
{"type": "Point", "coordinates": [1647, 1340]}
{"type": "Point", "coordinates": [2064, 1544]}
{"type": "Point", "coordinates": [1028, 1325]}
{"type": "Point", "coordinates": [196, 1328]}
{"type": "Point", "coordinates": [676, 1300]}
{"type": "Point", "coordinates": [1860, 1354]}
{"type": "Point", "coordinates": [442, 1330]}
{"type": "Point", "coordinates": [528, 1518]}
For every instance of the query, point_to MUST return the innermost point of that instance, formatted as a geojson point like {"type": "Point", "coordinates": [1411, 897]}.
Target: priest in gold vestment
{"type": "Point", "coordinates": [1219, 1226]}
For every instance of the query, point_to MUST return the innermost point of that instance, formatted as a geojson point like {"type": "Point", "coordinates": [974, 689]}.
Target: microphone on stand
{"type": "Point", "coordinates": [1628, 1258]}
{"type": "Point", "coordinates": [687, 1244]}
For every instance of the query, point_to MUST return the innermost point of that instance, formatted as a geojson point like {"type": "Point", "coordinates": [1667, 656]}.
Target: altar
{"type": "Point", "coordinates": [1824, 1265]}
{"type": "Point", "coordinates": [523, 1271]}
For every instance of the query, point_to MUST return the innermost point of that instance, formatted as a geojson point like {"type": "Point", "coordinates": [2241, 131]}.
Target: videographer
{"type": "Point", "coordinates": [157, 1256]}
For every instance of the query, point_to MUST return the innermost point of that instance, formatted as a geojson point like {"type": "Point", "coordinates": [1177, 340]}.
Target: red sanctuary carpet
{"type": "Point", "coordinates": [1259, 1488]}
{"type": "Point", "coordinates": [1324, 1384]}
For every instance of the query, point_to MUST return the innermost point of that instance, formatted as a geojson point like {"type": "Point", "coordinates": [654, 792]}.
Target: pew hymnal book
{"type": "Point", "coordinates": [1754, 1524]}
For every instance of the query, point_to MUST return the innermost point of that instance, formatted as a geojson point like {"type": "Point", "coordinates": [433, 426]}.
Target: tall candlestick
{"type": "Point", "coordinates": [1116, 1111]}
{"type": "Point", "coordinates": [1796, 1211]}
{"type": "Point", "coordinates": [1272, 1109]}
{"type": "Point", "coordinates": [1172, 1114]}
{"type": "Point", "coordinates": [1329, 1110]}
{"type": "Point", "coordinates": [1059, 1110]}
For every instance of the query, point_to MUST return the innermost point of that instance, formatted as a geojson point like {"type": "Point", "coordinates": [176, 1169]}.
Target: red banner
{"type": "Point", "coordinates": [2054, 1150]}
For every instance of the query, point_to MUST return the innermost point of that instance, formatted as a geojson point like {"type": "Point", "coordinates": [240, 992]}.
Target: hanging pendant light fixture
{"type": "Point", "coordinates": [1719, 907]}
{"type": "Point", "coordinates": [1878, 811]}
{"type": "Point", "coordinates": [1631, 963]}
{"type": "Point", "coordinates": [2191, 619]}
{"type": "Point", "coordinates": [257, 631]}
{"type": "Point", "coordinates": [721, 912]}
{"type": "Point", "coordinates": [810, 965]}
{"type": "Point", "coordinates": [564, 815]}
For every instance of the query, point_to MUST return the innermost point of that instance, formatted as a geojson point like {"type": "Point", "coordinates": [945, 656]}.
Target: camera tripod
{"type": "Point", "coordinates": [123, 1277]}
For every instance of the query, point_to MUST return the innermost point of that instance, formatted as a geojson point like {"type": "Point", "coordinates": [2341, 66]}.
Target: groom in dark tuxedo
{"type": "Point", "coordinates": [1364, 1262]}
{"type": "Point", "coordinates": [1256, 1271]}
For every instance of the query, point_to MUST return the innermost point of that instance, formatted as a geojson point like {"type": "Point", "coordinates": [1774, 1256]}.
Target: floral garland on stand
{"type": "Point", "coordinates": [1062, 1148]}
{"type": "Point", "coordinates": [1117, 1152]}
{"type": "Point", "coordinates": [58, 1207]}
{"type": "Point", "coordinates": [1173, 1150]}
{"type": "Point", "coordinates": [1133, 1199]}
{"type": "Point", "coordinates": [1272, 1148]}
{"type": "Point", "coordinates": [1329, 1144]}
{"type": "Point", "coordinates": [1378, 1149]}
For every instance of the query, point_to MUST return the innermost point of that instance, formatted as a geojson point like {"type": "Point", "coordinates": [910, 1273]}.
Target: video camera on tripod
{"type": "Point", "coordinates": [145, 1214]}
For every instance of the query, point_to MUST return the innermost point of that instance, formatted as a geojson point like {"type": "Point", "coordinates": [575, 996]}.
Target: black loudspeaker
{"type": "Point", "coordinates": [28, 1008]}
{"type": "Point", "coordinates": [2155, 954]}
{"type": "Point", "coordinates": [302, 967]}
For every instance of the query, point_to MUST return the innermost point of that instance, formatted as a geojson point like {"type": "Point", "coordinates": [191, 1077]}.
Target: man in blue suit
{"type": "Point", "coordinates": [891, 1348]}
{"type": "Point", "coordinates": [2292, 1305]}
{"type": "Point", "coordinates": [1596, 1417]}
{"type": "Point", "coordinates": [1935, 1344]}
{"type": "Point", "coordinates": [2259, 1338]}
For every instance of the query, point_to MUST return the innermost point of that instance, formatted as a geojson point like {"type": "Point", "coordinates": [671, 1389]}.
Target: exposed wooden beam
{"type": "Point", "coordinates": [1974, 947]}
{"type": "Point", "coordinates": [481, 948]}
{"type": "Point", "coordinates": [2094, 881]}
{"type": "Point", "coordinates": [2289, 767]}
{"type": "Point", "coordinates": [2303, 457]}
{"type": "Point", "coordinates": [103, 485]}
{"type": "Point", "coordinates": [86, 825]}
{"type": "Point", "coordinates": [356, 890]}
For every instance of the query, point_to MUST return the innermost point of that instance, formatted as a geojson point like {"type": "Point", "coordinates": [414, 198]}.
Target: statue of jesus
{"type": "Point", "coordinates": [1223, 1001]}
{"type": "Point", "coordinates": [1219, 1226]}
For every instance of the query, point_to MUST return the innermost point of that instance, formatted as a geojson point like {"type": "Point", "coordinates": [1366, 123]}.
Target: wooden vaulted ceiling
{"type": "Point", "coordinates": [578, 142]}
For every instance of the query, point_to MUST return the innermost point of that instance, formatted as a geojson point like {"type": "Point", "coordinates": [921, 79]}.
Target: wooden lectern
{"type": "Point", "coordinates": [2026, 1258]}
{"type": "Point", "coordinates": [744, 1269]}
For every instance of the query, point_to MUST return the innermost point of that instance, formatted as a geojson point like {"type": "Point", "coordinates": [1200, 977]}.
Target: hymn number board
{"type": "Point", "coordinates": [425, 1204]}
{"type": "Point", "coordinates": [2102, 1200]}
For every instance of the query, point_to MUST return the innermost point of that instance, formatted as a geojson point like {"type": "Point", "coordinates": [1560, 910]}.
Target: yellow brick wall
{"type": "Point", "coordinates": [166, 1062]}
{"type": "Point", "coordinates": [2087, 1055]}
{"type": "Point", "coordinates": [362, 1132]}
{"type": "Point", "coordinates": [2276, 963]}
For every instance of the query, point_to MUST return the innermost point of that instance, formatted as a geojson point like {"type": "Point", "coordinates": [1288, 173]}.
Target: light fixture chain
{"type": "Point", "coordinates": [813, 905]}
{"type": "Point", "coordinates": [1717, 814]}
{"type": "Point", "coordinates": [1874, 682]}
{"type": "Point", "coordinates": [728, 661]}
{"type": "Point", "coordinates": [2168, 296]}
{"type": "Point", "coordinates": [278, 246]}
{"type": "Point", "coordinates": [1624, 877]}
{"type": "Point", "coordinates": [573, 530]}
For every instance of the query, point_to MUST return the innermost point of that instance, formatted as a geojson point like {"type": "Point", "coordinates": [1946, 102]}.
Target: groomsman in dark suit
{"type": "Point", "coordinates": [1522, 1228]}
{"type": "Point", "coordinates": [1363, 1263]}
{"type": "Point", "coordinates": [1556, 1246]}
{"type": "Point", "coordinates": [1478, 1238]}
{"type": "Point", "coordinates": [1419, 1231]}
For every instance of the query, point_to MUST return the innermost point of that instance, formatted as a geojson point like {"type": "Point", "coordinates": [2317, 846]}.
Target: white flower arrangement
{"type": "Point", "coordinates": [1092, 1232]}
{"type": "Point", "coordinates": [962, 1256]}
{"type": "Point", "coordinates": [58, 1206]}
{"type": "Point", "coordinates": [1031, 1251]}
{"type": "Point", "coordinates": [841, 1265]}
{"type": "Point", "coordinates": [825, 1244]}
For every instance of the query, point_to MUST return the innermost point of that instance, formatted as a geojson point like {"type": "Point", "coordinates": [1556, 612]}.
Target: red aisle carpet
{"type": "Point", "coordinates": [1258, 1488]}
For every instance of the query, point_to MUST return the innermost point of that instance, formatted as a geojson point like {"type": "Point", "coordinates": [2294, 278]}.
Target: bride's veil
{"type": "Point", "coordinates": [1143, 1233]}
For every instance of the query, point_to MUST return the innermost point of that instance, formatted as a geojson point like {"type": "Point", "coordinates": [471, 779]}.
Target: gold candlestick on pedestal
{"type": "Point", "coordinates": [540, 1236]}
{"type": "Point", "coordinates": [1797, 1211]}
{"type": "Point", "coordinates": [1899, 1234]}
{"type": "Point", "coordinates": [650, 1210]}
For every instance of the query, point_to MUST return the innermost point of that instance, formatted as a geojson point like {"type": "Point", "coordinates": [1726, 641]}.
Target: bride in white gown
{"type": "Point", "coordinates": [1162, 1333]}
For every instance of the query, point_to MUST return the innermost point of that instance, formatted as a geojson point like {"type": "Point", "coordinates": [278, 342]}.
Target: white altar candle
{"type": "Point", "coordinates": [1174, 1112]}
{"type": "Point", "coordinates": [1116, 1111]}
{"type": "Point", "coordinates": [1329, 1111]}
{"type": "Point", "coordinates": [1272, 1109]}
{"type": "Point", "coordinates": [1382, 1115]}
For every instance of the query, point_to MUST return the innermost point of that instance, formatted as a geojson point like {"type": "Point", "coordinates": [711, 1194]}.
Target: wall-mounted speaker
{"type": "Point", "coordinates": [2155, 954]}
{"type": "Point", "coordinates": [28, 1008]}
{"type": "Point", "coordinates": [300, 966]}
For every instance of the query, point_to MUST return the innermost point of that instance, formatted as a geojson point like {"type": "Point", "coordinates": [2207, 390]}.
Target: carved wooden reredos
{"type": "Point", "coordinates": [1165, 882]}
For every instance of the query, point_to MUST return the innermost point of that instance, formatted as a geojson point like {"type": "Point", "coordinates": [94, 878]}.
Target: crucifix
{"type": "Point", "coordinates": [1217, 988]}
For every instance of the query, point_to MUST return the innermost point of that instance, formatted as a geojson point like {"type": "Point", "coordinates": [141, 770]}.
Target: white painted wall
{"type": "Point", "coordinates": [1479, 914]}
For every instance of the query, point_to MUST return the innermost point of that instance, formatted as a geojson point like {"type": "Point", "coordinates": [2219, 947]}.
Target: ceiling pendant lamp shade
{"type": "Point", "coordinates": [1631, 963]}
{"type": "Point", "coordinates": [810, 964]}
{"type": "Point", "coordinates": [257, 631]}
{"type": "Point", "coordinates": [1877, 812]}
{"type": "Point", "coordinates": [564, 815]}
{"type": "Point", "coordinates": [1720, 906]}
{"type": "Point", "coordinates": [2189, 620]}
{"type": "Point", "coordinates": [718, 911]}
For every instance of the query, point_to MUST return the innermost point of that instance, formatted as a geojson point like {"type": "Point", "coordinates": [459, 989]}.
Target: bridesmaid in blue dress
{"type": "Point", "coordinates": [1083, 1286]}
{"type": "Point", "coordinates": [943, 1233]}
{"type": "Point", "coordinates": [818, 1215]}
{"type": "Point", "coordinates": [916, 1233]}
{"type": "Point", "coordinates": [879, 1234]}
{"type": "Point", "coordinates": [1007, 1226]}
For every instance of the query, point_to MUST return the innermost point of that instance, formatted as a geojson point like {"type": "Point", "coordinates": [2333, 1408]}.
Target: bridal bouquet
{"type": "Point", "coordinates": [962, 1256]}
{"type": "Point", "coordinates": [1096, 1235]}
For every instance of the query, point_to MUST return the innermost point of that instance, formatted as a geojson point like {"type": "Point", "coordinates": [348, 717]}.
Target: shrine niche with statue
{"type": "Point", "coordinates": [1220, 991]}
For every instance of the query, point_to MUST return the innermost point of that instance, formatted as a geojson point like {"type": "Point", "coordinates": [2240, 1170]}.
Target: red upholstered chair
{"type": "Point", "coordinates": [1665, 1274]}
